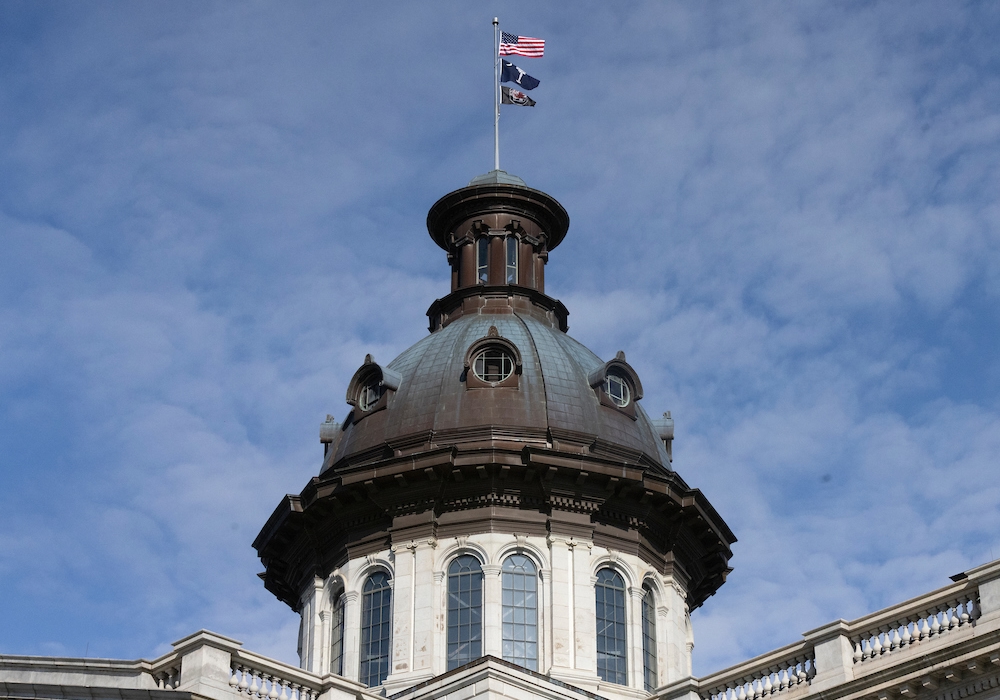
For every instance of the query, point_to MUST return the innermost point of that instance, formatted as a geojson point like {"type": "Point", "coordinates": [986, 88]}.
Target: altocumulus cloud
{"type": "Point", "coordinates": [785, 214]}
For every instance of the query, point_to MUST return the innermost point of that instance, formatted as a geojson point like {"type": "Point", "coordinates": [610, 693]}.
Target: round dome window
{"type": "Point", "coordinates": [617, 389]}
{"type": "Point", "coordinates": [493, 364]}
{"type": "Point", "coordinates": [370, 393]}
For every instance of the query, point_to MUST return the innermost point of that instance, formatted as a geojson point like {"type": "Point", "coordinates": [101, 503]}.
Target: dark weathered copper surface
{"type": "Point", "coordinates": [440, 456]}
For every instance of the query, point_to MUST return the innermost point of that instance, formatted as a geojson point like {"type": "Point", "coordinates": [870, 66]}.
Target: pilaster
{"type": "Point", "coordinates": [423, 608]}
{"type": "Point", "coordinates": [492, 600]}
{"type": "Point", "coordinates": [352, 634]}
{"type": "Point", "coordinates": [679, 640]}
{"type": "Point", "coordinates": [636, 658]}
{"type": "Point", "coordinates": [584, 608]}
{"type": "Point", "coordinates": [561, 603]}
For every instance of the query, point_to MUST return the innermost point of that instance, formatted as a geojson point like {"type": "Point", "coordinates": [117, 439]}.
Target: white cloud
{"type": "Point", "coordinates": [785, 215]}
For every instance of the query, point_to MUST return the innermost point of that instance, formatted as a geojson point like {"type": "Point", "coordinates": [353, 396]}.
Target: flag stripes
{"type": "Point", "coordinates": [513, 45]}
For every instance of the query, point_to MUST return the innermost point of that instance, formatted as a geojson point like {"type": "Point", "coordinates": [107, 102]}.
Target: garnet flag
{"type": "Point", "coordinates": [511, 44]}
{"type": "Point", "coordinates": [515, 97]}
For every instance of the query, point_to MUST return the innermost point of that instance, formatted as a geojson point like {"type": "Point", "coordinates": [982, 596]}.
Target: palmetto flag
{"type": "Point", "coordinates": [515, 97]}
{"type": "Point", "coordinates": [528, 46]}
{"type": "Point", "coordinates": [513, 74]}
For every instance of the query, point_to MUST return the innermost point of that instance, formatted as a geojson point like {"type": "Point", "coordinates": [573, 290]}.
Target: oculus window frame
{"type": "Point", "coordinates": [490, 349]}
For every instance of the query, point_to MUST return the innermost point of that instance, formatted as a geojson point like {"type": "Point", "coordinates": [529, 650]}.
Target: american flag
{"type": "Point", "coordinates": [530, 47]}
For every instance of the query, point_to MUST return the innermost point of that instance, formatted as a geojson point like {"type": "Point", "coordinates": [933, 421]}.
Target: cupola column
{"type": "Point", "coordinates": [539, 263]}
{"type": "Point", "coordinates": [466, 264]}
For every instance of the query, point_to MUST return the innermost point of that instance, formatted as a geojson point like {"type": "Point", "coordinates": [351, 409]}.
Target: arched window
{"type": "Point", "coordinates": [649, 675]}
{"type": "Point", "coordinates": [465, 611]}
{"type": "Point", "coordinates": [337, 636]}
{"type": "Point", "coordinates": [510, 243]}
{"type": "Point", "coordinates": [520, 611]}
{"type": "Point", "coordinates": [483, 260]}
{"type": "Point", "coordinates": [612, 658]}
{"type": "Point", "coordinates": [376, 629]}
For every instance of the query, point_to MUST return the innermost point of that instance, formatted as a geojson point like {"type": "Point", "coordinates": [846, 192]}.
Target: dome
{"type": "Point", "coordinates": [553, 401]}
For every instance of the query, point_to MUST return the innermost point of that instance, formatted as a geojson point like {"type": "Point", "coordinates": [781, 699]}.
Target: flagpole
{"type": "Point", "coordinates": [496, 93]}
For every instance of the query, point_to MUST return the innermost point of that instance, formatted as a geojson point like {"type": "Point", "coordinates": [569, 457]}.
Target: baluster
{"type": "Point", "coordinates": [905, 638]}
{"type": "Point", "coordinates": [284, 691]}
{"type": "Point", "coordinates": [272, 694]}
{"type": "Point", "coordinates": [244, 683]}
{"type": "Point", "coordinates": [965, 617]}
{"type": "Point", "coordinates": [857, 650]}
{"type": "Point", "coordinates": [784, 681]}
{"type": "Point", "coordinates": [935, 624]}
{"type": "Point", "coordinates": [867, 653]}
{"type": "Point", "coordinates": [234, 681]}
{"type": "Point", "coordinates": [296, 690]}
{"type": "Point", "coordinates": [897, 641]}
{"type": "Point", "coordinates": [925, 631]}
{"type": "Point", "coordinates": [877, 645]}
{"type": "Point", "coordinates": [951, 615]}
{"type": "Point", "coordinates": [254, 686]}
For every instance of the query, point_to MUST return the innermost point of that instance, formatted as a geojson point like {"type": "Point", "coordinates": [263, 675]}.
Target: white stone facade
{"type": "Point", "coordinates": [567, 571]}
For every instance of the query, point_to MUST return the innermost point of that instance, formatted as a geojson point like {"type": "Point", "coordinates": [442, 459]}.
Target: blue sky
{"type": "Point", "coordinates": [784, 213]}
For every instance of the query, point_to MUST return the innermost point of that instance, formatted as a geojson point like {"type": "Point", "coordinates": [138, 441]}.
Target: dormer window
{"type": "Point", "coordinates": [370, 388]}
{"type": "Point", "coordinates": [492, 362]}
{"type": "Point", "coordinates": [510, 243]}
{"type": "Point", "coordinates": [617, 385]}
{"type": "Point", "coordinates": [483, 260]}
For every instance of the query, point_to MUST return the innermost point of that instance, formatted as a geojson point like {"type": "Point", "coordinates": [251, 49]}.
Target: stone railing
{"type": "Point", "coordinates": [260, 677]}
{"type": "Point", "coordinates": [905, 626]}
{"type": "Point", "coordinates": [775, 672]}
{"type": "Point", "coordinates": [884, 643]}
{"type": "Point", "coordinates": [204, 664]}
{"type": "Point", "coordinates": [166, 671]}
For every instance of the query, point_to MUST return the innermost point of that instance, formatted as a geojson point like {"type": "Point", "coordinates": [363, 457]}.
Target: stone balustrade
{"type": "Point", "coordinates": [166, 671]}
{"type": "Point", "coordinates": [906, 647]}
{"type": "Point", "coordinates": [204, 664]}
{"type": "Point", "coordinates": [783, 669]}
{"type": "Point", "coordinates": [909, 627]}
{"type": "Point", "coordinates": [262, 678]}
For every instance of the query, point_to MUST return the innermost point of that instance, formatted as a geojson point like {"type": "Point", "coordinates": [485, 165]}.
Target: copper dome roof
{"type": "Point", "coordinates": [554, 397]}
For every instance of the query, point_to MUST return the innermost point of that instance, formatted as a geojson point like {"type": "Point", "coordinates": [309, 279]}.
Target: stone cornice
{"type": "Point", "coordinates": [629, 506]}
